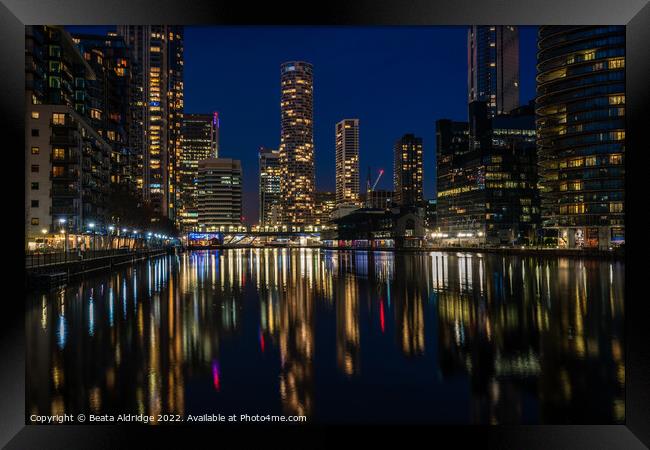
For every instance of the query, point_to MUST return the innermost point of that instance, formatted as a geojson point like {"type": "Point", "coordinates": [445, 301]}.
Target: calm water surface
{"type": "Point", "coordinates": [337, 336]}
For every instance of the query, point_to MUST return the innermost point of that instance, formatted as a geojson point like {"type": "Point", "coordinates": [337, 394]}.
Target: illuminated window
{"type": "Point", "coordinates": [36, 150]}
{"type": "Point", "coordinates": [58, 153]}
{"type": "Point", "coordinates": [35, 115]}
{"type": "Point", "coordinates": [57, 171]}
{"type": "Point", "coordinates": [616, 159]}
{"type": "Point", "coordinates": [617, 99]}
{"type": "Point", "coordinates": [590, 161]}
{"type": "Point", "coordinates": [54, 82]}
{"type": "Point", "coordinates": [616, 63]}
{"type": "Point", "coordinates": [577, 208]}
{"type": "Point", "coordinates": [575, 185]}
{"type": "Point", "coordinates": [35, 221]}
{"type": "Point", "coordinates": [616, 207]}
{"type": "Point", "coordinates": [58, 118]}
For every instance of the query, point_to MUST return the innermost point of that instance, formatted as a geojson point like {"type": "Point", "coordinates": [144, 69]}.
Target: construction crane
{"type": "Point", "coordinates": [381, 172]}
{"type": "Point", "coordinates": [369, 188]}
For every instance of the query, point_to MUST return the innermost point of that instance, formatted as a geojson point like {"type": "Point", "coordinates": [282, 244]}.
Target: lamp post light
{"type": "Point", "coordinates": [92, 228]}
{"type": "Point", "coordinates": [124, 230]}
{"type": "Point", "coordinates": [111, 228]}
{"type": "Point", "coordinates": [64, 230]}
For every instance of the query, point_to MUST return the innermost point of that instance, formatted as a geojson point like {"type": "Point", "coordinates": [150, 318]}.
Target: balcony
{"type": "Point", "coordinates": [65, 176]}
{"type": "Point", "coordinates": [70, 157]}
{"type": "Point", "coordinates": [64, 191]}
{"type": "Point", "coordinates": [64, 211]}
{"type": "Point", "coordinates": [66, 140]}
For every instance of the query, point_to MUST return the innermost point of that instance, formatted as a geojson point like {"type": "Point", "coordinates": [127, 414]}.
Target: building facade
{"type": "Point", "coordinates": [269, 187]}
{"type": "Point", "coordinates": [581, 124]}
{"type": "Point", "coordinates": [200, 140]}
{"type": "Point", "coordinates": [298, 182]}
{"type": "Point", "coordinates": [219, 194]}
{"type": "Point", "coordinates": [407, 175]}
{"type": "Point", "coordinates": [487, 177]}
{"type": "Point", "coordinates": [157, 111]}
{"type": "Point", "coordinates": [67, 162]}
{"type": "Point", "coordinates": [66, 172]}
{"type": "Point", "coordinates": [493, 67]}
{"type": "Point", "coordinates": [347, 161]}
{"type": "Point", "coordinates": [378, 199]}
{"type": "Point", "coordinates": [109, 94]}
{"type": "Point", "coordinates": [325, 203]}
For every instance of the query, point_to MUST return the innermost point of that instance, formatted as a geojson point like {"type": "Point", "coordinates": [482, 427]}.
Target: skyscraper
{"type": "Point", "coordinates": [347, 161]}
{"type": "Point", "coordinates": [493, 67]}
{"type": "Point", "coordinates": [219, 194]}
{"type": "Point", "coordinates": [581, 126]}
{"type": "Point", "coordinates": [269, 184]}
{"type": "Point", "coordinates": [110, 100]}
{"type": "Point", "coordinates": [297, 143]}
{"type": "Point", "coordinates": [158, 110]}
{"type": "Point", "coordinates": [200, 137]}
{"type": "Point", "coordinates": [407, 175]}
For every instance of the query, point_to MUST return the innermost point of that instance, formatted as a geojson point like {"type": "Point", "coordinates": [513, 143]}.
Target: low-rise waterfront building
{"type": "Point", "coordinates": [376, 228]}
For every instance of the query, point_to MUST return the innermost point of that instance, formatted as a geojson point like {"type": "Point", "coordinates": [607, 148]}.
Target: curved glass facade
{"type": "Point", "coordinates": [580, 111]}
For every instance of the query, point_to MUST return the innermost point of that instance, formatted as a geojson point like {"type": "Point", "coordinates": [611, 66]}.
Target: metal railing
{"type": "Point", "coordinates": [41, 259]}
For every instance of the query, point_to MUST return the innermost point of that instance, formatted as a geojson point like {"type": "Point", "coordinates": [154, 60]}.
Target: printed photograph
{"type": "Point", "coordinates": [325, 225]}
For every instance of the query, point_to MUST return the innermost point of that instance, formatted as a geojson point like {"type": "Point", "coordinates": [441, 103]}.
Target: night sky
{"type": "Point", "coordinates": [396, 80]}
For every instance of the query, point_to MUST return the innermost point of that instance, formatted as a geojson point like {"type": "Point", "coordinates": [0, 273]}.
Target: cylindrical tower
{"type": "Point", "coordinates": [580, 111]}
{"type": "Point", "coordinates": [297, 143]}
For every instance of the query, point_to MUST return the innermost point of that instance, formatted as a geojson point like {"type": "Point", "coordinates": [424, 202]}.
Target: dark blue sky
{"type": "Point", "coordinates": [396, 80]}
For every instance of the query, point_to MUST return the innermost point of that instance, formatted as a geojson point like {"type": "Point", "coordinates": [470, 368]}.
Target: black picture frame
{"type": "Point", "coordinates": [635, 14]}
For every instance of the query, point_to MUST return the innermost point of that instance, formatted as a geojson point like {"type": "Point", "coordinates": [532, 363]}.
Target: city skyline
{"type": "Point", "coordinates": [433, 94]}
{"type": "Point", "coordinates": [358, 283]}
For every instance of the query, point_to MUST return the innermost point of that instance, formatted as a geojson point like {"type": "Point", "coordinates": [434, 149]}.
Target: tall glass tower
{"type": "Point", "coordinates": [493, 67]}
{"type": "Point", "coordinates": [200, 141]}
{"type": "Point", "coordinates": [157, 110]}
{"type": "Point", "coordinates": [297, 143]}
{"type": "Point", "coordinates": [347, 162]}
{"type": "Point", "coordinates": [407, 174]}
{"type": "Point", "coordinates": [270, 194]}
{"type": "Point", "coordinates": [581, 133]}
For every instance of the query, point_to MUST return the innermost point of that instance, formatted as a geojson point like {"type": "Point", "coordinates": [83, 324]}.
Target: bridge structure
{"type": "Point", "coordinates": [252, 238]}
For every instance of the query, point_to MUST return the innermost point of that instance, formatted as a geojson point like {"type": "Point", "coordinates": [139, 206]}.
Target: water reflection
{"type": "Point", "coordinates": [336, 336]}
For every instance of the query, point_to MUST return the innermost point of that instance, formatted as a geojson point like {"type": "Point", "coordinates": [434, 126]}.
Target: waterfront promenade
{"type": "Point", "coordinates": [55, 268]}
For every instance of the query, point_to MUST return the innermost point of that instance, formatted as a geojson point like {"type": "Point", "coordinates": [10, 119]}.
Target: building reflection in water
{"type": "Point", "coordinates": [532, 340]}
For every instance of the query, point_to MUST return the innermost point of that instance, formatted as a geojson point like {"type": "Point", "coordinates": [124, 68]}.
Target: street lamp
{"type": "Point", "coordinates": [64, 230]}
{"type": "Point", "coordinates": [92, 227]}
{"type": "Point", "coordinates": [111, 228]}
